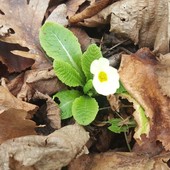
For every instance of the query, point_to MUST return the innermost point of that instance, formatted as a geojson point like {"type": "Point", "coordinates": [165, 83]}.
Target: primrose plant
{"type": "Point", "coordinates": [89, 72]}
{"type": "Point", "coordinates": [86, 74]}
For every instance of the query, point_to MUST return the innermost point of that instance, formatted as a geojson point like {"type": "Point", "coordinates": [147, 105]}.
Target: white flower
{"type": "Point", "coordinates": [106, 78]}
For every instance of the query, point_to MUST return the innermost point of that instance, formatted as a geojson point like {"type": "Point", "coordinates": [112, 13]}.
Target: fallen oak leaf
{"type": "Point", "coordinates": [26, 21]}
{"type": "Point", "coordinates": [45, 152]}
{"type": "Point", "coordinates": [138, 75]}
{"type": "Point", "coordinates": [24, 25]}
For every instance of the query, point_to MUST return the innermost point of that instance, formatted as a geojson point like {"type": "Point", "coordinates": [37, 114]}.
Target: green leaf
{"type": "Point", "coordinates": [143, 123]}
{"type": "Point", "coordinates": [60, 43]}
{"type": "Point", "coordinates": [88, 86]}
{"type": "Point", "coordinates": [92, 53]}
{"type": "Point", "coordinates": [66, 98]}
{"type": "Point", "coordinates": [67, 74]}
{"type": "Point", "coordinates": [85, 109]}
{"type": "Point", "coordinates": [118, 125]}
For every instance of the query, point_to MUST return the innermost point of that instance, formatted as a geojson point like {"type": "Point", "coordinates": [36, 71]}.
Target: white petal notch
{"type": "Point", "coordinates": [106, 78]}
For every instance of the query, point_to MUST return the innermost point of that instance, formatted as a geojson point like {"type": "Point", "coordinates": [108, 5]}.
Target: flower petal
{"type": "Point", "coordinates": [111, 84]}
{"type": "Point", "coordinates": [98, 65]}
{"type": "Point", "coordinates": [105, 88]}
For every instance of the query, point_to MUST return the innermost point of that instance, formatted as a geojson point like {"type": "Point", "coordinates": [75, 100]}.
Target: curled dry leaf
{"type": "Point", "coordinates": [14, 85]}
{"type": "Point", "coordinates": [143, 21]}
{"type": "Point", "coordinates": [89, 11]}
{"type": "Point", "coordinates": [73, 6]}
{"type": "Point", "coordinates": [138, 75]}
{"type": "Point", "coordinates": [8, 101]}
{"type": "Point", "coordinates": [13, 63]}
{"type": "Point", "coordinates": [13, 123]}
{"type": "Point", "coordinates": [44, 152]}
{"type": "Point", "coordinates": [53, 111]}
{"type": "Point", "coordinates": [42, 80]}
{"type": "Point", "coordinates": [120, 161]}
{"type": "Point", "coordinates": [23, 27]}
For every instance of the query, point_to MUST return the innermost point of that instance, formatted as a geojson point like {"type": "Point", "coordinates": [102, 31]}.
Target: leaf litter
{"type": "Point", "coordinates": [30, 78]}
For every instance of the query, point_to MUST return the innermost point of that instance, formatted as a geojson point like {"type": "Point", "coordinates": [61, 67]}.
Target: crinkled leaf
{"type": "Point", "coordinates": [93, 52]}
{"type": "Point", "coordinates": [84, 109]}
{"type": "Point", "coordinates": [67, 74]}
{"type": "Point", "coordinates": [60, 43]}
{"type": "Point", "coordinates": [44, 152]}
{"type": "Point", "coordinates": [66, 98]}
{"type": "Point", "coordinates": [144, 22]}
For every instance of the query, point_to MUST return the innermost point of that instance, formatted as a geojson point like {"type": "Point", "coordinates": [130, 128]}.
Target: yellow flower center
{"type": "Point", "coordinates": [102, 76]}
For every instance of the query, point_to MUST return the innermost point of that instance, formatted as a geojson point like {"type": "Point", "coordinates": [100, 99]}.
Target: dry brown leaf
{"type": "Point", "coordinates": [163, 72]}
{"type": "Point", "coordinates": [23, 19]}
{"type": "Point", "coordinates": [89, 11]}
{"type": "Point", "coordinates": [143, 21]}
{"type": "Point", "coordinates": [53, 111]}
{"type": "Point", "coordinates": [104, 139]}
{"type": "Point", "coordinates": [82, 36]}
{"type": "Point", "coordinates": [59, 15]}
{"type": "Point", "coordinates": [138, 75]}
{"type": "Point", "coordinates": [8, 101]}
{"type": "Point", "coordinates": [13, 63]}
{"type": "Point", "coordinates": [13, 123]}
{"type": "Point", "coordinates": [114, 102]}
{"type": "Point", "coordinates": [120, 161]}
{"type": "Point", "coordinates": [26, 21]}
{"type": "Point", "coordinates": [42, 80]}
{"type": "Point", "coordinates": [15, 85]}
{"type": "Point", "coordinates": [73, 6]}
{"type": "Point", "coordinates": [44, 152]}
